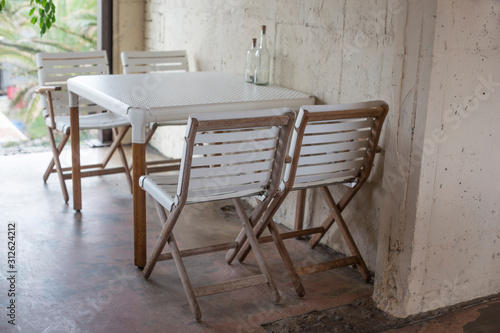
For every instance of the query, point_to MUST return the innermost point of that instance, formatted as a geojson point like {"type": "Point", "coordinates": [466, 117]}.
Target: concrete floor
{"type": "Point", "coordinates": [75, 272]}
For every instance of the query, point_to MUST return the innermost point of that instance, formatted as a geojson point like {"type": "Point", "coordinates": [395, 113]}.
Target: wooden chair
{"type": "Point", "coordinates": [331, 144]}
{"type": "Point", "coordinates": [226, 156]}
{"type": "Point", "coordinates": [135, 62]}
{"type": "Point", "coordinates": [54, 69]}
{"type": "Point", "coordinates": [143, 62]}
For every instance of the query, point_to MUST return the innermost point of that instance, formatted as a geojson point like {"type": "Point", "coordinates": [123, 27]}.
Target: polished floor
{"type": "Point", "coordinates": [74, 272]}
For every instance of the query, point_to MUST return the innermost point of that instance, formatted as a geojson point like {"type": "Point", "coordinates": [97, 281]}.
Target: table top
{"type": "Point", "coordinates": [171, 96]}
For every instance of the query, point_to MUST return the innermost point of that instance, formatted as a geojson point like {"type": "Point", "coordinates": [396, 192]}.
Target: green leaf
{"type": "Point", "coordinates": [33, 20]}
{"type": "Point", "coordinates": [32, 11]}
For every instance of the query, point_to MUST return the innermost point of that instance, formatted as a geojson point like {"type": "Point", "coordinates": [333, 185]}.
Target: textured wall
{"type": "Point", "coordinates": [414, 223]}
{"type": "Point", "coordinates": [451, 252]}
{"type": "Point", "coordinates": [128, 29]}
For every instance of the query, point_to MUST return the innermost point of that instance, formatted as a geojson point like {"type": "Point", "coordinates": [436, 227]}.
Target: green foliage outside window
{"type": "Point", "coordinates": [74, 30]}
{"type": "Point", "coordinates": [42, 12]}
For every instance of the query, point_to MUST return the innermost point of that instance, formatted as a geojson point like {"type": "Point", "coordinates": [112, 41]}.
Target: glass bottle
{"type": "Point", "coordinates": [262, 59]}
{"type": "Point", "coordinates": [250, 69]}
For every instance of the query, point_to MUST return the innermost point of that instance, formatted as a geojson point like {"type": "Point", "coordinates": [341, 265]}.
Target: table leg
{"type": "Point", "coordinates": [299, 210]}
{"type": "Point", "coordinates": [75, 156]}
{"type": "Point", "coordinates": [139, 169]}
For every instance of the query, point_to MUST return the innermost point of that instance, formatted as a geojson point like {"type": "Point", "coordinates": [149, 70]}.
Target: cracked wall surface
{"type": "Point", "coordinates": [427, 221]}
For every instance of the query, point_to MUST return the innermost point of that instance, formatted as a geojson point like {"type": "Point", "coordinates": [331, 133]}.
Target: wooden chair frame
{"type": "Point", "coordinates": [283, 119]}
{"type": "Point", "coordinates": [54, 69]}
{"type": "Point", "coordinates": [376, 110]}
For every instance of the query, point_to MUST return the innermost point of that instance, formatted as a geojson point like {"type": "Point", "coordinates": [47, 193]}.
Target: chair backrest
{"type": "Point", "coordinates": [236, 154]}
{"type": "Point", "coordinates": [54, 69]}
{"type": "Point", "coordinates": [135, 62]}
{"type": "Point", "coordinates": [334, 143]}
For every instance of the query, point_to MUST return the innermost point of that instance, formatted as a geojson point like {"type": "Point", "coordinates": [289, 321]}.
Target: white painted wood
{"type": "Point", "coordinates": [349, 124]}
{"type": "Point", "coordinates": [54, 69]}
{"type": "Point", "coordinates": [135, 62]}
{"type": "Point", "coordinates": [229, 175]}
{"type": "Point", "coordinates": [333, 147]}
{"type": "Point", "coordinates": [335, 137]}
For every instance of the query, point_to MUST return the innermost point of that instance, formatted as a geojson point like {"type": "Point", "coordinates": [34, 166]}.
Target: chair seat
{"type": "Point", "coordinates": [163, 188]}
{"type": "Point", "coordinates": [94, 121]}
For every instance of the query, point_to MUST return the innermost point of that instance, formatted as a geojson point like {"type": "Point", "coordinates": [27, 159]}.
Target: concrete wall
{"type": "Point", "coordinates": [427, 221]}
{"type": "Point", "coordinates": [128, 29]}
{"type": "Point", "coordinates": [447, 251]}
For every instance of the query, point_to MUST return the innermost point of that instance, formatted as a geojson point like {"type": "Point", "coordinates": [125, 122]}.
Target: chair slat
{"type": "Point", "coordinates": [333, 147]}
{"type": "Point", "coordinates": [329, 127]}
{"type": "Point", "coordinates": [154, 68]}
{"type": "Point", "coordinates": [76, 70]}
{"type": "Point", "coordinates": [336, 137]}
{"type": "Point", "coordinates": [233, 158]}
{"type": "Point", "coordinates": [235, 147]}
{"type": "Point", "coordinates": [329, 168]}
{"type": "Point", "coordinates": [154, 61]}
{"type": "Point", "coordinates": [309, 181]}
{"type": "Point", "coordinates": [146, 54]}
{"type": "Point", "coordinates": [219, 182]}
{"type": "Point", "coordinates": [331, 158]}
{"type": "Point", "coordinates": [66, 62]}
{"type": "Point", "coordinates": [235, 136]}
{"type": "Point", "coordinates": [226, 193]}
{"type": "Point", "coordinates": [233, 169]}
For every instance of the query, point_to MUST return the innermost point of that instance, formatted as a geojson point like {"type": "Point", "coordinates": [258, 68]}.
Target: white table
{"type": "Point", "coordinates": [143, 98]}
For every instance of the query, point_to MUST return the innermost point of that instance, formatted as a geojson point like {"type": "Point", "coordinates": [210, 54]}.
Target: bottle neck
{"type": "Point", "coordinates": [262, 41]}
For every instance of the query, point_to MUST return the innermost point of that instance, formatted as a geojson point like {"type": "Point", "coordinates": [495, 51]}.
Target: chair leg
{"type": "Point", "coordinates": [167, 235]}
{"type": "Point", "coordinates": [278, 241]}
{"type": "Point", "coordinates": [114, 146]}
{"type": "Point", "coordinates": [119, 138]}
{"type": "Point", "coordinates": [181, 269]}
{"type": "Point", "coordinates": [151, 131]}
{"type": "Point", "coordinates": [259, 228]}
{"type": "Point", "coordinates": [50, 168]}
{"type": "Point", "coordinates": [254, 243]}
{"type": "Point", "coordinates": [241, 240]}
{"type": "Point", "coordinates": [57, 162]}
{"type": "Point", "coordinates": [351, 244]}
{"type": "Point", "coordinates": [287, 261]}
{"type": "Point", "coordinates": [162, 240]}
{"type": "Point", "coordinates": [336, 215]}
{"type": "Point", "coordinates": [330, 219]}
